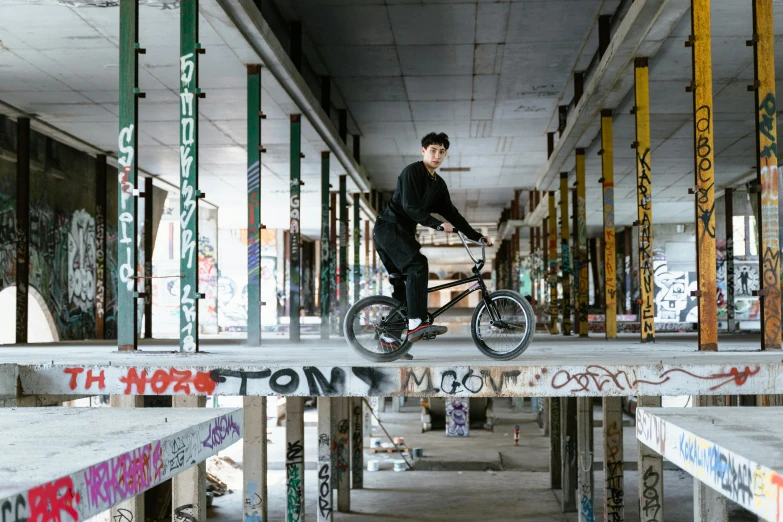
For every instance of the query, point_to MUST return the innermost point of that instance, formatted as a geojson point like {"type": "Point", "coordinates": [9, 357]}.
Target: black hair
{"type": "Point", "coordinates": [435, 139]}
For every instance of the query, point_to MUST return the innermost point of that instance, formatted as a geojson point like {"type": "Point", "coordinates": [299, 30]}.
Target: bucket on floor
{"type": "Point", "coordinates": [373, 465]}
{"type": "Point", "coordinates": [417, 453]}
{"type": "Point", "coordinates": [399, 441]}
{"type": "Point", "coordinates": [399, 465]}
{"type": "Point", "coordinates": [375, 442]}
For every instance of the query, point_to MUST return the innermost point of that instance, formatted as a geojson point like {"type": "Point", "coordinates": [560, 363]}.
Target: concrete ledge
{"type": "Point", "coordinates": [735, 451]}
{"type": "Point", "coordinates": [73, 463]}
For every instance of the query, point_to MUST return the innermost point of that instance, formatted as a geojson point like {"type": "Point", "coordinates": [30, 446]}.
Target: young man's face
{"type": "Point", "coordinates": [434, 155]}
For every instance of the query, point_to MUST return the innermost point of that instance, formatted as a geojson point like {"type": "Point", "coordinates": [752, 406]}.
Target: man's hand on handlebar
{"type": "Point", "coordinates": [486, 240]}
{"type": "Point", "coordinates": [447, 228]}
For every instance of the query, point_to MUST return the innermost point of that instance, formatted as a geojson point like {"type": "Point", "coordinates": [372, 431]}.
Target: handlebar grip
{"type": "Point", "coordinates": [439, 228]}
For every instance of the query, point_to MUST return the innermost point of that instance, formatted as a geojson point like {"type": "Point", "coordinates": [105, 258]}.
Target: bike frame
{"type": "Point", "coordinates": [476, 279]}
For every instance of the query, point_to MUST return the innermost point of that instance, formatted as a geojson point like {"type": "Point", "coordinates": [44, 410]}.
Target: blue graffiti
{"type": "Point", "coordinates": [735, 478]}
{"type": "Point", "coordinates": [587, 509]}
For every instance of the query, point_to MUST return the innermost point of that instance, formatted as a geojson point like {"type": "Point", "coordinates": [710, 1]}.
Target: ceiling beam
{"type": "Point", "coordinates": [642, 32]}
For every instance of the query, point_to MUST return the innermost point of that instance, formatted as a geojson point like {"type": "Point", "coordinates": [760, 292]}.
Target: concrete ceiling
{"type": "Point", "coordinates": [490, 74]}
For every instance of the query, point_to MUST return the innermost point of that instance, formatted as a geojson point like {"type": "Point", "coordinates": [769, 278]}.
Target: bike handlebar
{"type": "Point", "coordinates": [465, 242]}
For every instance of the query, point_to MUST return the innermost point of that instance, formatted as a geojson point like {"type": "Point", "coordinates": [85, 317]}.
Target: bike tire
{"type": "Point", "coordinates": [350, 335]}
{"type": "Point", "coordinates": [530, 317]}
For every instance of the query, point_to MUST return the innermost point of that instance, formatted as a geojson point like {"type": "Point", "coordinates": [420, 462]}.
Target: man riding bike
{"type": "Point", "coordinates": [419, 192]}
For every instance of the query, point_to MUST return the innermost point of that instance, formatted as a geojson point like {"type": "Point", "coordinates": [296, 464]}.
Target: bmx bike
{"type": "Point", "coordinates": [502, 325]}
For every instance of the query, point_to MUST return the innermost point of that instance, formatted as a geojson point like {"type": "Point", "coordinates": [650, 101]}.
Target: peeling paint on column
{"type": "Point", "coordinates": [610, 259]}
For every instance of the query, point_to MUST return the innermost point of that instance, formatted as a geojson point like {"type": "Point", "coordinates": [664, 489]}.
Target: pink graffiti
{"type": "Point", "coordinates": [123, 477]}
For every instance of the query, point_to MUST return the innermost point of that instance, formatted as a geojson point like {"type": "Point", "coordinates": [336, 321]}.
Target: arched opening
{"type": "Point", "coordinates": [41, 327]}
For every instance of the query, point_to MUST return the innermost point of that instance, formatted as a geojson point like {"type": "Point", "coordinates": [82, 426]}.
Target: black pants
{"type": "Point", "coordinates": [400, 254]}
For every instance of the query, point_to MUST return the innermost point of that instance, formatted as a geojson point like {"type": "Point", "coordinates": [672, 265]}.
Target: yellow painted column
{"type": "Point", "coordinates": [766, 131]}
{"type": "Point", "coordinates": [581, 241]}
{"type": "Point", "coordinates": [552, 237]}
{"type": "Point", "coordinates": [610, 258]}
{"type": "Point", "coordinates": [565, 255]}
{"type": "Point", "coordinates": [705, 175]}
{"type": "Point", "coordinates": [644, 200]}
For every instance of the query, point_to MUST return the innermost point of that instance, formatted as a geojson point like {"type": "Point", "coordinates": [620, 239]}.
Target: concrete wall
{"type": "Point", "coordinates": [62, 231]}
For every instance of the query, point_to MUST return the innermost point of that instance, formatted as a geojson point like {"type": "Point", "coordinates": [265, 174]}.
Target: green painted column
{"type": "Point", "coordinates": [326, 247]}
{"type": "Point", "coordinates": [357, 253]}
{"type": "Point", "coordinates": [22, 228]}
{"type": "Point", "coordinates": [343, 251]}
{"type": "Point", "coordinates": [254, 226]}
{"type": "Point", "coordinates": [294, 235]}
{"type": "Point", "coordinates": [189, 94]}
{"type": "Point", "coordinates": [127, 254]}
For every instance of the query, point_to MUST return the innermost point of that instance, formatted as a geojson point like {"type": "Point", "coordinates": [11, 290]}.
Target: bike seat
{"type": "Point", "coordinates": [396, 279]}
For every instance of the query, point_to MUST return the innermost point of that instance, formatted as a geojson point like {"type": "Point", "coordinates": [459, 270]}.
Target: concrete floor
{"type": "Point", "coordinates": [520, 493]}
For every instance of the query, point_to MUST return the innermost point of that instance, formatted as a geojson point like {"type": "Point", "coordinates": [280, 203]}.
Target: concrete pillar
{"type": "Point", "coordinates": [610, 259]}
{"type": "Point", "coordinates": [585, 487]}
{"type": "Point", "coordinates": [326, 440]}
{"type": "Point", "coordinates": [343, 249]}
{"type": "Point", "coordinates": [22, 227]}
{"type": "Point", "coordinates": [565, 255]}
{"type": "Point", "coordinates": [357, 443]}
{"type": "Point", "coordinates": [295, 279]}
{"type": "Point", "coordinates": [148, 246]}
{"type": "Point", "coordinates": [356, 243]}
{"type": "Point", "coordinates": [254, 150]}
{"type": "Point", "coordinates": [708, 504]}
{"type": "Point", "coordinates": [729, 203]}
{"type": "Point", "coordinates": [613, 459]}
{"type": "Point", "coordinates": [133, 508]}
{"type": "Point", "coordinates": [650, 474]}
{"type": "Point", "coordinates": [581, 241]}
{"type": "Point", "coordinates": [100, 245]}
{"type": "Point", "coordinates": [552, 238]}
{"type": "Point", "coordinates": [343, 456]}
{"type": "Point", "coordinates": [189, 488]}
{"type": "Point", "coordinates": [255, 459]}
{"type": "Point", "coordinates": [555, 451]}
{"type": "Point", "coordinates": [294, 459]}
{"type": "Point", "coordinates": [568, 452]}
{"type": "Point", "coordinates": [325, 276]}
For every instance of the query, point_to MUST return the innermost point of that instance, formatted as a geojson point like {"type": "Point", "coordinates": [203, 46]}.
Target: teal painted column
{"type": "Point", "coordinates": [343, 251]}
{"type": "Point", "coordinates": [357, 253]}
{"type": "Point", "coordinates": [189, 94]}
{"type": "Point", "coordinates": [127, 204]}
{"type": "Point", "coordinates": [254, 226]}
{"type": "Point", "coordinates": [294, 235]}
{"type": "Point", "coordinates": [326, 247]}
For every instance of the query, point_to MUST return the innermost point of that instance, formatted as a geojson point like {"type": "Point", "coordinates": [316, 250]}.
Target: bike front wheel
{"type": "Point", "coordinates": [376, 327]}
{"type": "Point", "coordinates": [510, 333]}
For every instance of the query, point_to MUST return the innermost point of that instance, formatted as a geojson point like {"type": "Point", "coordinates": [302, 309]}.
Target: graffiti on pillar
{"type": "Point", "coordinates": [613, 448]}
{"type": "Point", "coordinates": [81, 261]}
{"type": "Point", "coordinates": [644, 191]}
{"type": "Point", "coordinates": [126, 232]}
{"type": "Point", "coordinates": [705, 202]}
{"type": "Point", "coordinates": [254, 217]}
{"type": "Point", "coordinates": [357, 461]}
{"type": "Point", "coordinates": [325, 495]}
{"type": "Point", "coordinates": [185, 513]}
{"type": "Point", "coordinates": [586, 501]}
{"type": "Point", "coordinates": [294, 481]}
{"type": "Point", "coordinates": [188, 203]}
{"type": "Point", "coordinates": [457, 416]}
{"type": "Point", "coordinates": [342, 447]}
{"type": "Point", "coordinates": [746, 279]}
{"type": "Point", "coordinates": [729, 276]}
{"type": "Point", "coordinates": [770, 242]}
{"type": "Point", "coordinates": [673, 301]}
{"type": "Point", "coordinates": [7, 240]}
{"type": "Point", "coordinates": [207, 279]}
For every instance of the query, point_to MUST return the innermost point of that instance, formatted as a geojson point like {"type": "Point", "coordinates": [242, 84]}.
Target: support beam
{"type": "Point", "coordinates": [294, 459]}
{"type": "Point", "coordinates": [581, 232]}
{"type": "Point", "coordinates": [650, 467]}
{"type": "Point", "coordinates": [705, 175]}
{"type": "Point", "coordinates": [610, 258]}
{"type": "Point", "coordinates": [555, 450]}
{"type": "Point", "coordinates": [326, 247]}
{"type": "Point", "coordinates": [604, 33]}
{"type": "Point", "coordinates": [565, 253]}
{"type": "Point", "coordinates": [552, 237]}
{"type": "Point", "coordinates": [709, 505]}
{"type": "Point", "coordinates": [326, 443]}
{"type": "Point", "coordinates": [644, 200]}
{"type": "Point", "coordinates": [343, 251]}
{"type": "Point", "coordinates": [255, 460]}
{"type": "Point", "coordinates": [357, 260]}
{"type": "Point", "coordinates": [586, 485]}
{"type": "Point", "coordinates": [334, 304]}
{"type": "Point", "coordinates": [22, 227]}
{"type": "Point", "coordinates": [294, 231]}
{"type": "Point", "coordinates": [568, 453]}
{"type": "Point", "coordinates": [132, 508]}
{"type": "Point", "coordinates": [767, 168]}
{"type": "Point", "coordinates": [575, 262]}
{"type": "Point", "coordinates": [189, 93]}
{"type": "Point", "coordinates": [189, 488]}
{"type": "Point", "coordinates": [550, 143]}
{"type": "Point", "coordinates": [254, 226]}
{"type": "Point", "coordinates": [367, 274]}
{"type": "Point", "coordinates": [128, 174]}
{"type": "Point", "coordinates": [100, 246]}
{"type": "Point", "coordinates": [579, 86]}
{"type": "Point", "coordinates": [148, 246]}
{"type": "Point", "coordinates": [357, 443]}
{"type": "Point", "coordinates": [613, 459]}
{"type": "Point", "coordinates": [343, 457]}
{"type": "Point", "coordinates": [728, 198]}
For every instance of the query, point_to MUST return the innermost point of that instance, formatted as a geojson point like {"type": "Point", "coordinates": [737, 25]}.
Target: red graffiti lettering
{"type": "Point", "coordinates": [73, 372]}
{"type": "Point", "coordinates": [777, 481]}
{"type": "Point", "coordinates": [100, 379]}
{"type": "Point", "coordinates": [161, 380]}
{"type": "Point", "coordinates": [48, 501]}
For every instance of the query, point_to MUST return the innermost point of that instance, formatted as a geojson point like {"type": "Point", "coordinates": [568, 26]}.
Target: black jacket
{"type": "Point", "coordinates": [417, 195]}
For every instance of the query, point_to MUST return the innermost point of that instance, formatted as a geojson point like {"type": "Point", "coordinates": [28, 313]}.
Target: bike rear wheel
{"type": "Point", "coordinates": [377, 329]}
{"type": "Point", "coordinates": [507, 338]}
